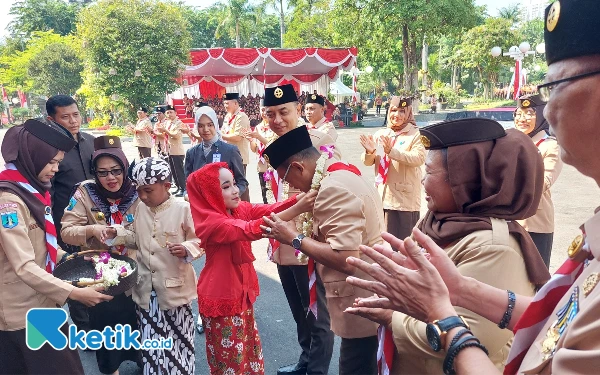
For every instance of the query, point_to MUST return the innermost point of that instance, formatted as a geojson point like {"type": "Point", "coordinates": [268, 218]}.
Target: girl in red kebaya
{"type": "Point", "coordinates": [228, 284]}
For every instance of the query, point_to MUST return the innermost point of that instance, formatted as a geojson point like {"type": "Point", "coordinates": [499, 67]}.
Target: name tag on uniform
{"type": "Point", "coordinates": [216, 158]}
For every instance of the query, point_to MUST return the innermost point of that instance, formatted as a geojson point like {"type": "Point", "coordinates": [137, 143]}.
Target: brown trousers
{"type": "Point", "coordinates": [144, 152]}
{"type": "Point", "coordinates": [400, 223]}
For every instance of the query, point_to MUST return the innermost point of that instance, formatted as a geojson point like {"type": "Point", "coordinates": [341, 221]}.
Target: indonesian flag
{"type": "Point", "coordinates": [518, 79]}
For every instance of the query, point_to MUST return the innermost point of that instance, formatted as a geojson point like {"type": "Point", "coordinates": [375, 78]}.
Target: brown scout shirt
{"type": "Point", "coordinates": [238, 126]}
{"type": "Point", "coordinates": [347, 213]}
{"type": "Point", "coordinates": [326, 127]}
{"type": "Point", "coordinates": [286, 255]}
{"type": "Point", "coordinates": [543, 220]}
{"type": "Point", "coordinates": [402, 191]}
{"type": "Point", "coordinates": [25, 284]}
{"type": "Point", "coordinates": [173, 278]}
{"type": "Point", "coordinates": [490, 256]}
{"type": "Point", "coordinates": [265, 132]}
{"type": "Point", "coordinates": [578, 349]}
{"type": "Point", "coordinates": [142, 136]}
{"type": "Point", "coordinates": [175, 141]}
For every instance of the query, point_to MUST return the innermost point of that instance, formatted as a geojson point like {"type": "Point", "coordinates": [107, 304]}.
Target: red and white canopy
{"type": "Point", "coordinates": [269, 66]}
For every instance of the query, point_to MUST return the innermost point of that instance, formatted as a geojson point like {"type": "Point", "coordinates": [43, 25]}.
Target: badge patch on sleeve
{"type": "Point", "coordinates": [72, 203]}
{"type": "Point", "coordinates": [9, 219]}
{"type": "Point", "coordinates": [129, 218]}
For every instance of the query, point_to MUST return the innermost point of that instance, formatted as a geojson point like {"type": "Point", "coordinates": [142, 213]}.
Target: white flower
{"type": "Point", "coordinates": [229, 371]}
{"type": "Point", "coordinates": [226, 343]}
{"type": "Point", "coordinates": [255, 366]}
{"type": "Point", "coordinates": [239, 347]}
{"type": "Point", "coordinates": [237, 321]}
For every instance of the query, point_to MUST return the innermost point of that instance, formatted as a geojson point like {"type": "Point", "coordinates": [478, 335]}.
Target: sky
{"type": "Point", "coordinates": [493, 6]}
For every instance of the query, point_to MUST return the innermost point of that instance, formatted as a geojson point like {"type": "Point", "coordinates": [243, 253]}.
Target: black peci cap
{"type": "Point", "coordinates": [314, 98]}
{"type": "Point", "coordinates": [231, 96]}
{"type": "Point", "coordinates": [160, 108]}
{"type": "Point", "coordinates": [571, 29]}
{"type": "Point", "coordinates": [460, 132]}
{"type": "Point", "coordinates": [280, 95]}
{"type": "Point", "coordinates": [287, 145]}
{"type": "Point", "coordinates": [169, 108]}
{"type": "Point", "coordinates": [142, 109]}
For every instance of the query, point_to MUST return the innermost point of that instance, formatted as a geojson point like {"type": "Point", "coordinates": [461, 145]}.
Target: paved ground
{"type": "Point", "coordinates": [575, 198]}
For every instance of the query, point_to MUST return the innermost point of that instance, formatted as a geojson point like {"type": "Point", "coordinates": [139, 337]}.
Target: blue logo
{"type": "Point", "coordinates": [9, 219]}
{"type": "Point", "coordinates": [43, 326]}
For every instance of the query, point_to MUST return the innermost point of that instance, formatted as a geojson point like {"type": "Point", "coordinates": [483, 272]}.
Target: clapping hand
{"type": "Point", "coordinates": [368, 143]}
{"type": "Point", "coordinates": [374, 314]}
{"type": "Point", "coordinates": [388, 144]}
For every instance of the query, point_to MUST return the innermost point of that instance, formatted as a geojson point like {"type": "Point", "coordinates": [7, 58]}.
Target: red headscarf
{"type": "Point", "coordinates": [208, 207]}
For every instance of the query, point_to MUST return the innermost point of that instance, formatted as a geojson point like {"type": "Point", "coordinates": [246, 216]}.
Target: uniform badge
{"type": "Point", "coordinates": [47, 210]}
{"type": "Point", "coordinates": [266, 157]}
{"type": "Point", "coordinates": [575, 246]}
{"type": "Point", "coordinates": [553, 16]}
{"type": "Point", "coordinates": [100, 216]}
{"type": "Point", "coordinates": [565, 315]}
{"type": "Point", "coordinates": [590, 283]}
{"type": "Point", "coordinates": [129, 218]}
{"type": "Point", "coordinates": [526, 103]}
{"type": "Point", "coordinates": [111, 141]}
{"type": "Point", "coordinates": [278, 93]}
{"type": "Point", "coordinates": [72, 203]}
{"type": "Point", "coordinates": [314, 97]}
{"type": "Point", "coordinates": [425, 141]}
{"type": "Point", "coordinates": [9, 219]}
{"type": "Point", "coordinates": [403, 104]}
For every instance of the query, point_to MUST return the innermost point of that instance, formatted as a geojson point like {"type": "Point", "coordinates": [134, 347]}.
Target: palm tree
{"type": "Point", "coordinates": [237, 19]}
{"type": "Point", "coordinates": [278, 6]}
{"type": "Point", "coordinates": [511, 12]}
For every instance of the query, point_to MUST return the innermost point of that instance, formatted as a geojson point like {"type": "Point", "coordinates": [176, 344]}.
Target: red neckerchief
{"type": "Point", "coordinates": [341, 166]}
{"type": "Point", "coordinates": [116, 217]}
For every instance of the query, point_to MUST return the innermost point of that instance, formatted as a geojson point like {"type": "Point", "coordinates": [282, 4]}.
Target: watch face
{"type": "Point", "coordinates": [296, 243]}
{"type": "Point", "coordinates": [433, 337]}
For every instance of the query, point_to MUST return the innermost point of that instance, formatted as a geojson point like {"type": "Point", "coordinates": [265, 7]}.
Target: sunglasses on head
{"type": "Point", "coordinates": [114, 172]}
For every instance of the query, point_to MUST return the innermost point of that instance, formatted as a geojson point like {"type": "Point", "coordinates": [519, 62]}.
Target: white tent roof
{"type": "Point", "coordinates": [338, 88]}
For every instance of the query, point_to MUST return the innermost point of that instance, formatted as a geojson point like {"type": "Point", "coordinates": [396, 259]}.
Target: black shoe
{"type": "Point", "coordinates": [200, 328]}
{"type": "Point", "coordinates": [295, 369]}
{"type": "Point", "coordinates": [181, 193]}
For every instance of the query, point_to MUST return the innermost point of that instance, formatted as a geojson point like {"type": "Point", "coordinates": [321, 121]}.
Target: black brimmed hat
{"type": "Point", "coordinates": [314, 98]}
{"type": "Point", "coordinates": [460, 132]}
{"type": "Point", "coordinates": [280, 95]}
{"type": "Point", "coordinates": [231, 96]}
{"type": "Point", "coordinates": [287, 145]}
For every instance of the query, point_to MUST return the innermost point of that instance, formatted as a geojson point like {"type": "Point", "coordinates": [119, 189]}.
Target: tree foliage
{"type": "Point", "coordinates": [238, 20]}
{"type": "Point", "coordinates": [122, 37]}
{"type": "Point", "coordinates": [42, 15]}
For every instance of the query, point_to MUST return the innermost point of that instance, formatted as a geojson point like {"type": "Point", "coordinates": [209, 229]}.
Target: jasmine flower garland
{"type": "Point", "coordinates": [108, 270]}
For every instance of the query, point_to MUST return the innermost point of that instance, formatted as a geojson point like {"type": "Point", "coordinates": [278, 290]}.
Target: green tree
{"type": "Point", "coordinates": [511, 12]}
{"type": "Point", "coordinates": [42, 15]}
{"type": "Point", "coordinates": [133, 50]}
{"type": "Point", "coordinates": [279, 8]}
{"type": "Point", "coordinates": [203, 26]}
{"type": "Point", "coordinates": [474, 50]}
{"type": "Point", "coordinates": [56, 70]}
{"type": "Point", "coordinates": [309, 25]}
{"type": "Point", "coordinates": [238, 20]}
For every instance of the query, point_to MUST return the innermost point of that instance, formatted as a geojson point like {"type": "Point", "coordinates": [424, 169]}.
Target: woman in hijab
{"type": "Point", "coordinates": [228, 285]}
{"type": "Point", "coordinates": [109, 199]}
{"type": "Point", "coordinates": [28, 249]}
{"type": "Point", "coordinates": [397, 155]}
{"type": "Point", "coordinates": [479, 179]}
{"type": "Point", "coordinates": [529, 118]}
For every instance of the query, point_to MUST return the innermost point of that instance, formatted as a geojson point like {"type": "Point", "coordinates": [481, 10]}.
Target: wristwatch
{"type": "Point", "coordinates": [438, 329]}
{"type": "Point", "coordinates": [297, 242]}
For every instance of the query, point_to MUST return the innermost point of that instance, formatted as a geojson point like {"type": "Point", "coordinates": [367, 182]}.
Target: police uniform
{"type": "Point", "coordinates": [347, 213]}
{"type": "Point", "coordinates": [236, 124]}
{"type": "Point", "coordinates": [322, 125]}
{"type": "Point", "coordinates": [142, 135]}
{"type": "Point", "coordinates": [314, 335]}
{"type": "Point", "coordinates": [541, 225]}
{"type": "Point", "coordinates": [176, 129]}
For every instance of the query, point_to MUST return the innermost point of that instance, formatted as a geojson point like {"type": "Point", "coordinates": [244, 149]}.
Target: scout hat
{"type": "Point", "coordinates": [109, 145]}
{"type": "Point", "coordinates": [280, 95]}
{"type": "Point", "coordinates": [231, 96]}
{"type": "Point", "coordinates": [199, 104]}
{"type": "Point", "coordinates": [571, 29]}
{"type": "Point", "coordinates": [52, 138]}
{"type": "Point", "coordinates": [142, 109]}
{"type": "Point", "coordinates": [530, 101]}
{"type": "Point", "coordinates": [460, 132]}
{"type": "Point", "coordinates": [317, 99]}
{"type": "Point", "coordinates": [400, 102]}
{"type": "Point", "coordinates": [169, 108]}
{"type": "Point", "coordinates": [160, 108]}
{"type": "Point", "coordinates": [287, 145]}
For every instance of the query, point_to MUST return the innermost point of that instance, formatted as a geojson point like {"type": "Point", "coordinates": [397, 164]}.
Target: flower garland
{"type": "Point", "coordinates": [108, 270]}
{"type": "Point", "coordinates": [305, 224]}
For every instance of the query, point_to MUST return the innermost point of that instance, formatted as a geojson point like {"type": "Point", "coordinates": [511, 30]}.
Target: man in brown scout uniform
{"type": "Point", "coordinates": [175, 129]}
{"type": "Point", "coordinates": [347, 214]}
{"type": "Point", "coordinates": [558, 330]}
{"type": "Point", "coordinates": [142, 133]}
{"type": "Point", "coordinates": [314, 335]}
{"type": "Point", "coordinates": [315, 114]}
{"type": "Point", "coordinates": [235, 125]}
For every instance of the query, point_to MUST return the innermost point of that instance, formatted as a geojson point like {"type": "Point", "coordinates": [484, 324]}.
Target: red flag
{"type": "Point", "coordinates": [518, 79]}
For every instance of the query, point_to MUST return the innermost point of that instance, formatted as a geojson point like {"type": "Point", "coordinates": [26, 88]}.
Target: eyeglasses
{"type": "Point", "coordinates": [547, 88]}
{"type": "Point", "coordinates": [114, 172]}
{"type": "Point", "coordinates": [286, 172]}
{"type": "Point", "coordinates": [525, 115]}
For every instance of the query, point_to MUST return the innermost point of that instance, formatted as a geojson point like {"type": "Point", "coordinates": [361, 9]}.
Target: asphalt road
{"type": "Point", "coordinates": [575, 198]}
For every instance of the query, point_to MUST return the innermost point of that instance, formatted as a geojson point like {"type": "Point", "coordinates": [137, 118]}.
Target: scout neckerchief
{"type": "Point", "coordinates": [12, 174]}
{"type": "Point", "coordinates": [261, 147]}
{"type": "Point", "coordinates": [111, 212]}
{"type": "Point", "coordinates": [227, 129]}
{"type": "Point", "coordinates": [385, 350]}
{"type": "Point", "coordinates": [539, 311]}
{"type": "Point", "coordinates": [538, 143]}
{"type": "Point", "coordinates": [161, 146]}
{"type": "Point", "coordinates": [312, 274]}
{"type": "Point", "coordinates": [317, 125]}
{"type": "Point", "coordinates": [271, 177]}
{"type": "Point", "coordinates": [385, 161]}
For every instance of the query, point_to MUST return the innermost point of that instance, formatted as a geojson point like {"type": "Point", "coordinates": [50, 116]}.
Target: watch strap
{"type": "Point", "coordinates": [450, 322]}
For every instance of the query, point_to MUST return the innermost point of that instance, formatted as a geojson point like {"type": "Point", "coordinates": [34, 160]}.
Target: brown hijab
{"type": "Point", "coordinates": [30, 147]}
{"type": "Point", "coordinates": [410, 118]}
{"type": "Point", "coordinates": [502, 178]}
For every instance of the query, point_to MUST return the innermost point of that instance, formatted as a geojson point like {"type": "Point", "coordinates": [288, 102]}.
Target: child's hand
{"type": "Point", "coordinates": [108, 233]}
{"type": "Point", "coordinates": [177, 250]}
{"type": "Point", "coordinates": [306, 201]}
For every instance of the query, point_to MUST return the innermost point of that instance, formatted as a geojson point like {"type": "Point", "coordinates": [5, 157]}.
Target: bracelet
{"type": "Point", "coordinates": [460, 334]}
{"type": "Point", "coordinates": [449, 360]}
{"type": "Point", "coordinates": [512, 299]}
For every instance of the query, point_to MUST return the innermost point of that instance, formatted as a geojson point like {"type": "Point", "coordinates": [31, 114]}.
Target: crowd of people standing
{"type": "Point", "coordinates": [405, 294]}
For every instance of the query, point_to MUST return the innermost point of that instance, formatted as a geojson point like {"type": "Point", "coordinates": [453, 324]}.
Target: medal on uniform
{"type": "Point", "coordinates": [100, 216]}
{"type": "Point", "coordinates": [590, 283]}
{"type": "Point", "coordinates": [575, 246]}
{"type": "Point", "coordinates": [565, 315]}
